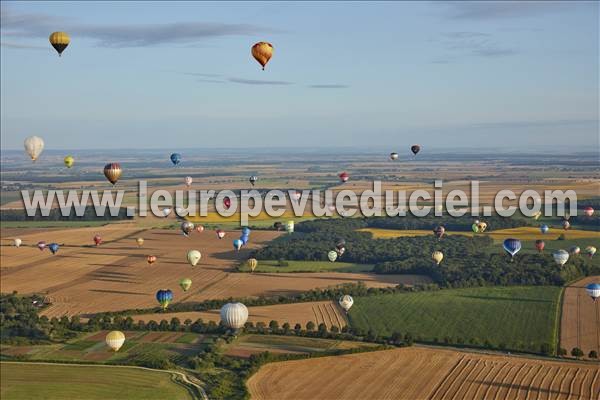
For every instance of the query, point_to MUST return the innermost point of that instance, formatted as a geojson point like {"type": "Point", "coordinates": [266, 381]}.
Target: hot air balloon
{"type": "Point", "coordinates": [588, 211]}
{"type": "Point", "coordinates": [289, 227]}
{"type": "Point", "coordinates": [193, 256]}
{"type": "Point", "coordinates": [17, 242]}
{"type": "Point", "coordinates": [244, 239]}
{"type": "Point", "coordinates": [34, 146]}
{"type": "Point", "coordinates": [344, 177]}
{"type": "Point", "coordinates": [115, 340]}
{"type": "Point", "coordinates": [252, 264]}
{"type": "Point", "coordinates": [297, 195]}
{"type": "Point", "coordinates": [166, 211]}
{"type": "Point", "coordinates": [69, 161]}
{"type": "Point", "coordinates": [253, 179]}
{"type": "Point", "coordinates": [234, 315]}
{"type": "Point", "coordinates": [262, 52]}
{"type": "Point", "coordinates": [246, 231]}
{"type": "Point", "coordinates": [332, 255]}
{"type": "Point", "coordinates": [339, 243]}
{"type": "Point", "coordinates": [566, 225]}
{"type": "Point", "coordinates": [475, 228]}
{"type": "Point", "coordinates": [186, 284]}
{"type": "Point", "coordinates": [60, 41]}
{"type": "Point", "coordinates": [346, 302]}
{"type": "Point", "coordinates": [512, 246]}
{"type": "Point", "coordinates": [237, 244]}
{"type": "Point", "coordinates": [187, 227]}
{"type": "Point", "coordinates": [439, 231]}
{"type": "Point", "coordinates": [175, 158]}
{"type": "Point", "coordinates": [393, 156]}
{"type": "Point", "coordinates": [139, 241]}
{"type": "Point", "coordinates": [415, 149]}
{"type": "Point", "coordinates": [544, 228]}
{"type": "Point", "coordinates": [537, 215]}
{"type": "Point", "coordinates": [97, 240]}
{"type": "Point", "coordinates": [593, 290]}
{"type": "Point", "coordinates": [220, 233]}
{"type": "Point", "coordinates": [188, 181]}
{"type": "Point", "coordinates": [41, 245]}
{"type": "Point", "coordinates": [112, 172]}
{"type": "Point", "coordinates": [482, 226]}
{"type": "Point", "coordinates": [560, 257]}
{"type": "Point", "coordinates": [539, 245]}
{"type": "Point", "coordinates": [164, 297]}
{"type": "Point", "coordinates": [278, 225]}
{"type": "Point", "coordinates": [199, 229]}
{"type": "Point", "coordinates": [437, 256]}
{"type": "Point", "coordinates": [341, 251]}
{"type": "Point", "coordinates": [151, 259]}
{"type": "Point", "coordinates": [53, 247]}
{"type": "Point", "coordinates": [590, 251]}
{"type": "Point", "coordinates": [226, 203]}
{"type": "Point", "coordinates": [574, 251]}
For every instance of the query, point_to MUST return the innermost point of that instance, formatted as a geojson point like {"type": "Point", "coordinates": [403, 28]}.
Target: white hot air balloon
{"type": "Point", "coordinates": [346, 302]}
{"type": "Point", "coordinates": [561, 257]}
{"type": "Point", "coordinates": [234, 315]}
{"type": "Point", "coordinates": [193, 256]}
{"type": "Point", "coordinates": [593, 290]}
{"type": "Point", "coordinates": [188, 181]}
{"type": "Point", "coordinates": [34, 146]}
{"type": "Point", "coordinates": [289, 227]}
{"type": "Point", "coordinates": [166, 211]}
{"type": "Point", "coordinates": [115, 340]}
{"type": "Point", "coordinates": [332, 255]}
{"type": "Point", "coordinates": [17, 242]}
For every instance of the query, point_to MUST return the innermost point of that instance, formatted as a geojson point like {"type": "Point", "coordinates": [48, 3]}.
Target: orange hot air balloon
{"type": "Point", "coordinates": [112, 172]}
{"type": "Point", "coordinates": [199, 228]}
{"type": "Point", "coordinates": [151, 259]}
{"type": "Point", "coordinates": [262, 52]}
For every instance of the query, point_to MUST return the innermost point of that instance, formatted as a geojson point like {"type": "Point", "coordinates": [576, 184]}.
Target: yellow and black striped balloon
{"type": "Point", "coordinates": [60, 41]}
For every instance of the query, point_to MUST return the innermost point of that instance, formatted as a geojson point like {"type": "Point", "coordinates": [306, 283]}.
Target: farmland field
{"type": "Point", "coordinates": [580, 322]}
{"type": "Point", "coordinates": [423, 373]}
{"type": "Point", "coordinates": [307, 266]}
{"type": "Point", "coordinates": [520, 318]}
{"type": "Point", "coordinates": [47, 381]}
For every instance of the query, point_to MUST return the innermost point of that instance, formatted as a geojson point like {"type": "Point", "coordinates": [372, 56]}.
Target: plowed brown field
{"type": "Point", "coordinates": [423, 373]}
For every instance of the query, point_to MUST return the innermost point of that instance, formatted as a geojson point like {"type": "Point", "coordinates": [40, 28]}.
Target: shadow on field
{"type": "Point", "coordinates": [526, 388]}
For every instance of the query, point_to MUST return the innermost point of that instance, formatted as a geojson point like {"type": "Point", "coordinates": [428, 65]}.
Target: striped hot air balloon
{"type": "Point", "coordinates": [234, 315]}
{"type": "Point", "coordinates": [115, 340]}
{"type": "Point", "coordinates": [112, 172]}
{"type": "Point", "coordinates": [164, 297]}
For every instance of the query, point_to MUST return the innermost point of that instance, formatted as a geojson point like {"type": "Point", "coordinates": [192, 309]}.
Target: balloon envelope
{"type": "Point", "coordinates": [332, 256]}
{"type": "Point", "coordinates": [17, 242]}
{"type": "Point", "coordinates": [561, 257]}
{"type": "Point", "coordinates": [187, 227]}
{"type": "Point", "coordinates": [237, 244]}
{"type": "Point", "coordinates": [193, 257]}
{"type": "Point", "coordinates": [588, 211]}
{"type": "Point", "coordinates": [188, 181]}
{"type": "Point", "coordinates": [245, 231]}
{"type": "Point", "coordinates": [252, 264]}
{"type": "Point", "coordinates": [97, 240]}
{"type": "Point", "coordinates": [262, 52]}
{"type": "Point", "coordinates": [69, 161]}
{"type": "Point", "coordinates": [539, 245]}
{"type": "Point", "coordinates": [220, 233]}
{"type": "Point", "coordinates": [60, 41]}
{"type": "Point", "coordinates": [185, 284]}
{"type": "Point", "coordinates": [437, 256]}
{"type": "Point", "coordinates": [590, 251]}
{"type": "Point", "coordinates": [544, 228]}
{"type": "Point", "coordinates": [234, 315]}
{"type": "Point", "coordinates": [115, 340]}
{"type": "Point", "coordinates": [346, 302]}
{"type": "Point", "coordinates": [151, 259]}
{"type": "Point", "coordinates": [344, 177]}
{"type": "Point", "coordinates": [439, 231]}
{"type": "Point", "coordinates": [164, 297]}
{"type": "Point", "coordinates": [175, 158]}
{"type": "Point", "coordinates": [139, 241]}
{"type": "Point", "coordinates": [53, 247]}
{"type": "Point", "coordinates": [415, 149]}
{"type": "Point", "coordinates": [41, 245]}
{"type": "Point", "coordinates": [289, 226]}
{"type": "Point", "coordinates": [34, 146]}
{"type": "Point", "coordinates": [593, 290]}
{"type": "Point", "coordinates": [393, 156]}
{"type": "Point", "coordinates": [512, 246]}
{"type": "Point", "coordinates": [112, 172]}
{"type": "Point", "coordinates": [575, 250]}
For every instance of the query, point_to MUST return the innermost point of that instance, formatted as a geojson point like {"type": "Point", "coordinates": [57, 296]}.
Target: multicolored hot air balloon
{"type": "Point", "coordinates": [415, 148]}
{"type": "Point", "coordinates": [187, 227]}
{"type": "Point", "coordinates": [512, 246]}
{"type": "Point", "coordinates": [394, 156]}
{"type": "Point", "coordinates": [344, 177]}
{"type": "Point", "coordinates": [234, 315]}
{"type": "Point", "coordinates": [544, 228]}
{"type": "Point", "coordinates": [437, 256]}
{"type": "Point", "coordinates": [34, 146]}
{"type": "Point", "coordinates": [151, 259]}
{"type": "Point", "coordinates": [97, 240]}
{"type": "Point", "coordinates": [482, 226]}
{"type": "Point", "coordinates": [42, 245]}
{"type": "Point", "coordinates": [439, 231]}
{"type": "Point", "coordinates": [188, 181]}
{"type": "Point", "coordinates": [112, 172]}
{"type": "Point", "coordinates": [253, 179]}
{"type": "Point", "coordinates": [566, 225]}
{"type": "Point", "coordinates": [164, 298]}
{"type": "Point", "coordinates": [60, 41]}
{"type": "Point", "coordinates": [539, 245]}
{"type": "Point", "coordinates": [237, 244]}
{"type": "Point", "coordinates": [53, 247]}
{"type": "Point", "coordinates": [560, 257]}
{"type": "Point", "coordinates": [593, 290]}
{"type": "Point", "coordinates": [262, 52]}
{"type": "Point", "coordinates": [252, 264]}
{"type": "Point", "coordinates": [332, 256]}
{"type": "Point", "coordinates": [115, 340]}
{"type": "Point", "coordinates": [175, 158]}
{"type": "Point", "coordinates": [590, 251]}
{"type": "Point", "coordinates": [588, 211]}
{"type": "Point", "coordinates": [220, 233]}
{"type": "Point", "coordinates": [185, 284]}
{"type": "Point", "coordinates": [575, 250]}
{"type": "Point", "coordinates": [69, 161]}
{"type": "Point", "coordinates": [193, 256]}
{"type": "Point", "coordinates": [346, 302]}
{"type": "Point", "coordinates": [139, 241]}
{"type": "Point", "coordinates": [17, 242]}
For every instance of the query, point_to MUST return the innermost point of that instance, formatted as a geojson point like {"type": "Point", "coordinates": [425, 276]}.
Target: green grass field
{"type": "Point", "coordinates": [38, 381]}
{"type": "Point", "coordinates": [52, 224]}
{"type": "Point", "coordinates": [520, 317]}
{"type": "Point", "coordinates": [308, 266]}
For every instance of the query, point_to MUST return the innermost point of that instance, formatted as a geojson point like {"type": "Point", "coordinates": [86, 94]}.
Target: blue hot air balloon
{"type": "Point", "coordinates": [244, 239]}
{"type": "Point", "coordinates": [544, 228]}
{"type": "Point", "coordinates": [53, 247]}
{"type": "Point", "coordinates": [245, 231]}
{"type": "Point", "coordinates": [593, 289]}
{"type": "Point", "coordinates": [175, 158]}
{"type": "Point", "coordinates": [164, 297]}
{"type": "Point", "coordinates": [512, 246]}
{"type": "Point", "coordinates": [237, 244]}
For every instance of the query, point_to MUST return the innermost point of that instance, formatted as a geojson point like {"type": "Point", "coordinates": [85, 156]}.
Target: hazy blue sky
{"type": "Point", "coordinates": [175, 75]}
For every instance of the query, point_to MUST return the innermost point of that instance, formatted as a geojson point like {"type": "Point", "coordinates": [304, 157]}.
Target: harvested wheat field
{"type": "Point", "coordinates": [580, 321]}
{"type": "Point", "coordinates": [84, 279]}
{"type": "Point", "coordinates": [425, 373]}
{"type": "Point", "coordinates": [327, 312]}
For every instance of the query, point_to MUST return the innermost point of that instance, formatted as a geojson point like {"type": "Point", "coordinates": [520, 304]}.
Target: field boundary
{"type": "Point", "coordinates": [558, 320]}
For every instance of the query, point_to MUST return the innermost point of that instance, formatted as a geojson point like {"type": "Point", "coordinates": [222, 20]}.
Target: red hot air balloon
{"type": "Point", "coordinates": [588, 211]}
{"type": "Point", "coordinates": [344, 177]}
{"type": "Point", "coordinates": [220, 233]}
{"type": "Point", "coordinates": [539, 245]}
{"type": "Point", "coordinates": [97, 240]}
{"type": "Point", "coordinates": [199, 228]}
{"type": "Point", "coordinates": [151, 259]}
{"type": "Point", "coordinates": [41, 245]}
{"type": "Point", "coordinates": [227, 203]}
